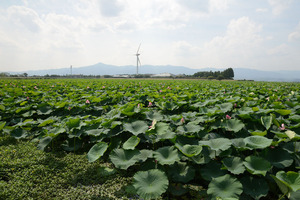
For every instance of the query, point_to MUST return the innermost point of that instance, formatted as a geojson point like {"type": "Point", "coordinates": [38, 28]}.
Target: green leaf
{"type": "Point", "coordinates": [2, 107]}
{"type": "Point", "coordinates": [94, 132]}
{"type": "Point", "coordinates": [257, 142]}
{"type": "Point", "coordinates": [234, 125]}
{"type": "Point", "coordinates": [2, 124]}
{"type": "Point", "coordinates": [131, 143]}
{"type": "Point", "coordinates": [255, 187]}
{"type": "Point", "coordinates": [189, 128]}
{"type": "Point", "coordinates": [290, 179]}
{"type": "Point", "coordinates": [225, 107]}
{"type": "Point", "coordinates": [259, 133]}
{"type": "Point", "coordinates": [166, 155]}
{"type": "Point", "coordinates": [290, 134]}
{"type": "Point", "coordinates": [181, 172]}
{"type": "Point", "coordinates": [145, 154]}
{"type": "Point", "coordinates": [283, 112]}
{"type": "Point", "coordinates": [73, 123]}
{"type": "Point", "coordinates": [124, 158]}
{"type": "Point", "coordinates": [234, 165]}
{"type": "Point", "coordinates": [44, 142]}
{"type": "Point", "coordinates": [97, 151]}
{"type": "Point", "coordinates": [211, 170]}
{"type": "Point", "coordinates": [18, 133]}
{"type": "Point", "coordinates": [150, 184]}
{"type": "Point", "coordinates": [217, 144]}
{"type": "Point", "coordinates": [55, 131]}
{"type": "Point", "coordinates": [136, 127]}
{"type": "Point", "coordinates": [282, 186]}
{"type": "Point", "coordinates": [266, 121]}
{"type": "Point", "coordinates": [46, 122]}
{"type": "Point", "coordinates": [151, 115]}
{"type": "Point", "coordinates": [189, 150]}
{"type": "Point", "coordinates": [257, 165]}
{"type": "Point", "coordinates": [225, 187]}
{"type": "Point", "coordinates": [105, 171]}
{"type": "Point", "coordinates": [279, 158]}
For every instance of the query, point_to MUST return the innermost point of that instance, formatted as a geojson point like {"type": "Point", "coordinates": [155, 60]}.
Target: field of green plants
{"type": "Point", "coordinates": [233, 139]}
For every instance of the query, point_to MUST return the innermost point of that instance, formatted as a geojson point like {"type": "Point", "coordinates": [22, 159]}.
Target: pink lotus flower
{"type": "Point", "coordinates": [27, 98]}
{"type": "Point", "coordinates": [87, 87]}
{"type": "Point", "coordinates": [235, 105]}
{"type": "Point", "coordinates": [228, 117]}
{"type": "Point", "coordinates": [268, 98]}
{"type": "Point", "coordinates": [69, 108]}
{"type": "Point", "coordinates": [282, 127]}
{"type": "Point", "coordinates": [87, 101]}
{"type": "Point", "coordinates": [160, 90]}
{"type": "Point", "coordinates": [182, 120]}
{"type": "Point", "coordinates": [103, 86]}
{"type": "Point", "coordinates": [150, 104]}
{"type": "Point", "coordinates": [35, 87]}
{"type": "Point", "coordinates": [138, 106]}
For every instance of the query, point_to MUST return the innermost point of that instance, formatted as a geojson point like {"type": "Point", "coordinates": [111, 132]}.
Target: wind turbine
{"type": "Point", "coordinates": [138, 62]}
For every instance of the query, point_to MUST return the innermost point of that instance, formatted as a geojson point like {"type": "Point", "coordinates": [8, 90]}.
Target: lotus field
{"type": "Point", "coordinates": [237, 140]}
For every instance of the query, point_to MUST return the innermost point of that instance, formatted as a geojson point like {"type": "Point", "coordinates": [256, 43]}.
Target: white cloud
{"type": "Point", "coordinates": [239, 45]}
{"type": "Point", "coordinates": [278, 6]}
{"type": "Point", "coordinates": [110, 8]}
{"type": "Point", "coordinates": [261, 10]}
{"type": "Point", "coordinates": [219, 5]}
{"type": "Point", "coordinates": [295, 35]}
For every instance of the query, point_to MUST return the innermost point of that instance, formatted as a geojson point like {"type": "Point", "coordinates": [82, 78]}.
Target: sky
{"type": "Point", "coordinates": [48, 34]}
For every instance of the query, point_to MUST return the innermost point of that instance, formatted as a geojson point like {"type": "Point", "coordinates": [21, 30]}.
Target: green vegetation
{"type": "Point", "coordinates": [152, 138]}
{"type": "Point", "coordinates": [226, 74]}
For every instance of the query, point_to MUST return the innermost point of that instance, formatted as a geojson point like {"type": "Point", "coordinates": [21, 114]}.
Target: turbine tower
{"type": "Point", "coordinates": [138, 62]}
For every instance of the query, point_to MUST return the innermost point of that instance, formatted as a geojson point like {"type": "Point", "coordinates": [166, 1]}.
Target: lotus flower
{"type": "Point", "coordinates": [150, 104]}
{"type": "Point", "coordinates": [87, 101]}
{"type": "Point", "coordinates": [182, 120]}
{"type": "Point", "coordinates": [282, 127]}
{"type": "Point", "coordinates": [228, 117]}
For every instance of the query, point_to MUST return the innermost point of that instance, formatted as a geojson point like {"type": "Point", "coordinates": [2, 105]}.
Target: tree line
{"type": "Point", "coordinates": [226, 74]}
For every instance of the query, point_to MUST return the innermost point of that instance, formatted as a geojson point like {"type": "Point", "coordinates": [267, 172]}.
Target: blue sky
{"type": "Point", "coordinates": [46, 34]}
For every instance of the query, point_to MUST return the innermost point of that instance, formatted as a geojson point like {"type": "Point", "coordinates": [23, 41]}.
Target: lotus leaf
{"type": "Point", "coordinates": [257, 165]}
{"type": "Point", "coordinates": [234, 125]}
{"type": "Point", "coordinates": [225, 187]}
{"type": "Point", "coordinates": [257, 142]}
{"type": "Point", "coordinates": [234, 165]}
{"type": "Point", "coordinates": [255, 187]}
{"type": "Point", "coordinates": [150, 184]}
{"type": "Point", "coordinates": [131, 143]}
{"type": "Point", "coordinates": [124, 158]}
{"type": "Point", "coordinates": [266, 121]}
{"type": "Point", "coordinates": [166, 155]}
{"type": "Point", "coordinates": [181, 172]}
{"type": "Point", "coordinates": [97, 151]}
{"type": "Point", "coordinates": [136, 127]}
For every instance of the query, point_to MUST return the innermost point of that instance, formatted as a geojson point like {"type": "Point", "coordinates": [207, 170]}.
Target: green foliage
{"type": "Point", "coordinates": [150, 184]}
{"type": "Point", "coordinates": [192, 131]}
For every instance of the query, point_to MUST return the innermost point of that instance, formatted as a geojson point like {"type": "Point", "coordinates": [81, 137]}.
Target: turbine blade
{"type": "Point", "coordinates": [139, 61]}
{"type": "Point", "coordinates": [138, 48]}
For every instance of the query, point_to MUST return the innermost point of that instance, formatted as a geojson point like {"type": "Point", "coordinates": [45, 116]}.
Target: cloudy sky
{"type": "Point", "coordinates": [45, 34]}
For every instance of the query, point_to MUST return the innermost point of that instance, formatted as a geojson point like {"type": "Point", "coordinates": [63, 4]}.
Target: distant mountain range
{"type": "Point", "coordinates": [239, 73]}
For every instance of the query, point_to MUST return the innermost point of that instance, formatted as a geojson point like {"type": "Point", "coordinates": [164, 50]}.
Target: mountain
{"type": "Point", "coordinates": [105, 69]}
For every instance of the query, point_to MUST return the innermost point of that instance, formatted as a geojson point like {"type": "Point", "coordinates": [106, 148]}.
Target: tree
{"type": "Point", "coordinates": [228, 73]}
